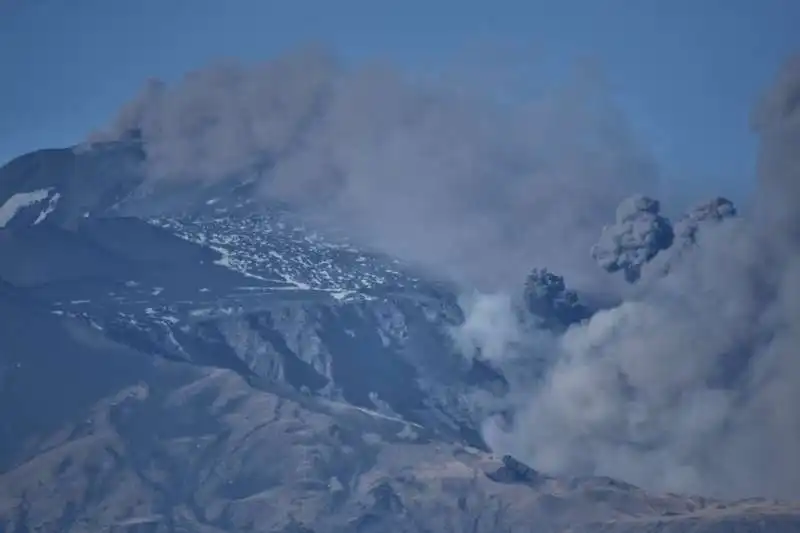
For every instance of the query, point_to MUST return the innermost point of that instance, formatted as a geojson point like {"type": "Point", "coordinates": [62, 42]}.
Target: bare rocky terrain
{"type": "Point", "coordinates": [163, 446]}
{"type": "Point", "coordinates": [218, 369]}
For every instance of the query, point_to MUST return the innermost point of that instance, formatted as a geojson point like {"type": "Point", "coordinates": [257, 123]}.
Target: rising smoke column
{"type": "Point", "coordinates": [434, 173]}
{"type": "Point", "coordinates": [692, 385]}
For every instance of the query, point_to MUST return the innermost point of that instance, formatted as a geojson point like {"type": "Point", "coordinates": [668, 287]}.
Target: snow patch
{"type": "Point", "coordinates": [342, 295]}
{"type": "Point", "coordinates": [341, 406]}
{"type": "Point", "coordinates": [51, 206]}
{"type": "Point", "coordinates": [20, 201]}
{"type": "Point", "coordinates": [226, 261]}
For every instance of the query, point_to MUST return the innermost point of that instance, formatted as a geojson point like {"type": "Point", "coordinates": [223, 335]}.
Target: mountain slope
{"type": "Point", "coordinates": [176, 447]}
{"type": "Point", "coordinates": [214, 365]}
{"type": "Point", "coordinates": [260, 294]}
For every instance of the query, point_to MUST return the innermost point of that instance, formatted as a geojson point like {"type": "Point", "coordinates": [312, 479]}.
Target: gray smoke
{"type": "Point", "coordinates": [473, 186]}
{"type": "Point", "coordinates": [693, 384]}
{"type": "Point", "coordinates": [711, 212]}
{"type": "Point", "coordinates": [637, 236]}
{"type": "Point", "coordinates": [690, 384]}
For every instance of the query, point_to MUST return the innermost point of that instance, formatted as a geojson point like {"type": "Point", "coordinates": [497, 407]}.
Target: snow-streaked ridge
{"type": "Point", "coordinates": [51, 206]}
{"type": "Point", "coordinates": [20, 201]}
{"type": "Point", "coordinates": [269, 247]}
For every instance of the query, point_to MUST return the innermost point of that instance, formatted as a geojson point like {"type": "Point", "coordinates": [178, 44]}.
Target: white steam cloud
{"type": "Point", "coordinates": [435, 173]}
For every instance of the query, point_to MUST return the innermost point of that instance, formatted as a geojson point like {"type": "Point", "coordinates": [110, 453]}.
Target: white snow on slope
{"type": "Point", "coordinates": [278, 248]}
{"type": "Point", "coordinates": [20, 201]}
{"type": "Point", "coordinates": [51, 206]}
{"type": "Point", "coordinates": [230, 263]}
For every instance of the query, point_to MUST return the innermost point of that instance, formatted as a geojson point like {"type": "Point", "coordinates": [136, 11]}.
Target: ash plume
{"type": "Point", "coordinates": [691, 384]}
{"type": "Point", "coordinates": [451, 178]}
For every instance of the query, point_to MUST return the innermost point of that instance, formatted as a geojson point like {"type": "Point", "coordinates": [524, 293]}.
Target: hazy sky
{"type": "Point", "coordinates": [687, 71]}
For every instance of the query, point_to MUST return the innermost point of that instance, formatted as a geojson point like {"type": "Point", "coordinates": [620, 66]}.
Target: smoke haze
{"type": "Point", "coordinates": [433, 172]}
{"type": "Point", "coordinates": [691, 384]}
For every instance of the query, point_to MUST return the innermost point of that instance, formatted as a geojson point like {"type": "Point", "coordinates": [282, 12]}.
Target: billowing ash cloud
{"type": "Point", "coordinates": [639, 234]}
{"type": "Point", "coordinates": [479, 189]}
{"type": "Point", "coordinates": [693, 384]}
{"type": "Point", "coordinates": [711, 212]}
{"type": "Point", "coordinates": [547, 297]}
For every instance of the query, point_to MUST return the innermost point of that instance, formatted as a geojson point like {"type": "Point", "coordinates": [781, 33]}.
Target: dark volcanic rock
{"type": "Point", "coordinates": [515, 471]}
{"type": "Point", "coordinates": [69, 185]}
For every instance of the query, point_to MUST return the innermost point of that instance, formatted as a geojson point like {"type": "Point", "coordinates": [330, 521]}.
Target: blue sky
{"type": "Point", "coordinates": [687, 71]}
